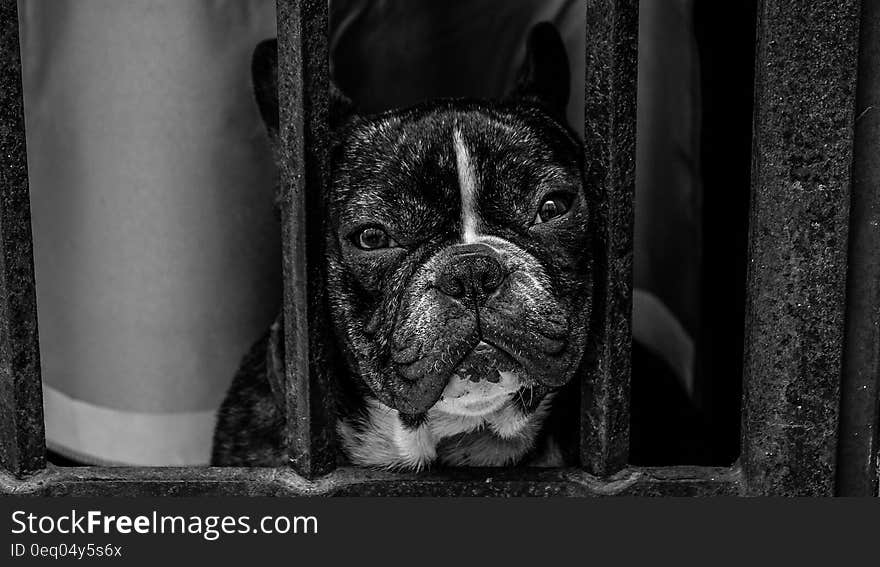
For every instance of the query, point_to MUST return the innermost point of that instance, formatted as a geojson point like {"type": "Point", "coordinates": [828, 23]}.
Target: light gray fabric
{"type": "Point", "coordinates": [668, 189]}
{"type": "Point", "coordinates": [156, 246]}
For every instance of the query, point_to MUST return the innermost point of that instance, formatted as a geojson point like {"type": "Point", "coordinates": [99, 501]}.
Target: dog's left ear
{"type": "Point", "coordinates": [264, 73]}
{"type": "Point", "coordinates": [545, 76]}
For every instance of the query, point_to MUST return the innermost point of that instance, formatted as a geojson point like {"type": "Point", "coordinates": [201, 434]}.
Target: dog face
{"type": "Point", "coordinates": [458, 268]}
{"type": "Point", "coordinates": [457, 240]}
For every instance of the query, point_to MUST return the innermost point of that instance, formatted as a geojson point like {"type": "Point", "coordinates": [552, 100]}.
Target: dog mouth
{"type": "Point", "coordinates": [486, 362]}
{"type": "Point", "coordinates": [485, 356]}
{"type": "Point", "coordinates": [484, 382]}
{"type": "Point", "coordinates": [493, 354]}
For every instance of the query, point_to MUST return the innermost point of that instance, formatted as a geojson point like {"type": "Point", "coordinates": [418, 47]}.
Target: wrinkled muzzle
{"type": "Point", "coordinates": [476, 313]}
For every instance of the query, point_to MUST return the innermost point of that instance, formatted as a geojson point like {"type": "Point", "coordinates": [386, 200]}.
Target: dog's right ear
{"type": "Point", "coordinates": [264, 72]}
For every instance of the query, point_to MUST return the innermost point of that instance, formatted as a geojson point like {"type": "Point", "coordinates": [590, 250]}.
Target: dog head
{"type": "Point", "coordinates": [458, 243]}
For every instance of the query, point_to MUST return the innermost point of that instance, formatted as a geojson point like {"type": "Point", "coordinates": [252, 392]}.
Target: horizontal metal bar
{"type": "Point", "coordinates": [103, 481]}
{"type": "Point", "coordinates": [22, 439]}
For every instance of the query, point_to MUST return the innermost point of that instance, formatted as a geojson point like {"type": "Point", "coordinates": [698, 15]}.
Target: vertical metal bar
{"type": "Point", "coordinates": [303, 77]}
{"type": "Point", "coordinates": [802, 153]}
{"type": "Point", "coordinates": [609, 135]}
{"type": "Point", "coordinates": [22, 437]}
{"type": "Point", "coordinates": [725, 35]}
{"type": "Point", "coordinates": [860, 396]}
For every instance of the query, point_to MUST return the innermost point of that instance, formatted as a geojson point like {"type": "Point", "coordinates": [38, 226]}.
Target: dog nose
{"type": "Point", "coordinates": [472, 275]}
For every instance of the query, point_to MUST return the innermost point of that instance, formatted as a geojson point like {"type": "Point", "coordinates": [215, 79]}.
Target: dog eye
{"type": "Point", "coordinates": [553, 206]}
{"type": "Point", "coordinates": [373, 238]}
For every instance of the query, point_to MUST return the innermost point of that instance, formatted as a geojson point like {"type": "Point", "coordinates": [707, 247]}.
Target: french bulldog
{"type": "Point", "coordinates": [459, 281]}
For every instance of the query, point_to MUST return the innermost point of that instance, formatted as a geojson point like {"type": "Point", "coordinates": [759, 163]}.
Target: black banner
{"type": "Point", "coordinates": [230, 531]}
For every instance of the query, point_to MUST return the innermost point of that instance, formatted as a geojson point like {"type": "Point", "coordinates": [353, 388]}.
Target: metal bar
{"type": "Point", "coordinates": [802, 152]}
{"type": "Point", "coordinates": [97, 481]}
{"type": "Point", "coordinates": [860, 396]}
{"type": "Point", "coordinates": [303, 77]}
{"type": "Point", "coordinates": [22, 437]}
{"type": "Point", "coordinates": [609, 137]}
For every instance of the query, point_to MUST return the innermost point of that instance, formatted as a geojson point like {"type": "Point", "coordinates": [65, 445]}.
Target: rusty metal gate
{"type": "Point", "coordinates": [812, 346]}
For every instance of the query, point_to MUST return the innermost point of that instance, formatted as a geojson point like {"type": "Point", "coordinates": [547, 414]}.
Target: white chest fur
{"type": "Point", "coordinates": [497, 438]}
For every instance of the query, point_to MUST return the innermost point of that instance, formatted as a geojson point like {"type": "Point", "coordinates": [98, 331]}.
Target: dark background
{"type": "Point", "coordinates": [708, 431]}
{"type": "Point", "coordinates": [726, 38]}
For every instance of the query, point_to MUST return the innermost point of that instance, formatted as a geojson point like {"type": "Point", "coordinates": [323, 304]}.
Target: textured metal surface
{"type": "Point", "coordinates": [22, 442]}
{"type": "Point", "coordinates": [860, 397]}
{"type": "Point", "coordinates": [805, 94]}
{"type": "Point", "coordinates": [303, 77]}
{"type": "Point", "coordinates": [609, 131]}
{"type": "Point", "coordinates": [680, 481]}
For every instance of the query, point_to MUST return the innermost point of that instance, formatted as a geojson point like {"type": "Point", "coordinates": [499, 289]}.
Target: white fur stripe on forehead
{"type": "Point", "coordinates": [467, 181]}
